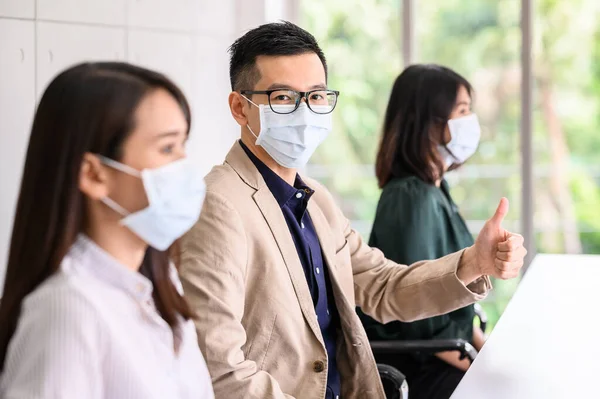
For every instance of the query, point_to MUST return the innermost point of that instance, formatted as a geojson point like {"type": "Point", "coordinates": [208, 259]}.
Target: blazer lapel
{"type": "Point", "coordinates": [271, 211]}
{"type": "Point", "coordinates": [328, 249]}
{"type": "Point", "coordinates": [274, 217]}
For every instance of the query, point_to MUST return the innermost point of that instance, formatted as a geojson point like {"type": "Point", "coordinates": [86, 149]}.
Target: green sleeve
{"type": "Point", "coordinates": [410, 225]}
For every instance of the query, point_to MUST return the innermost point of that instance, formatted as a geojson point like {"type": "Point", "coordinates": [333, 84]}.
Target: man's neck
{"type": "Point", "coordinates": [287, 174]}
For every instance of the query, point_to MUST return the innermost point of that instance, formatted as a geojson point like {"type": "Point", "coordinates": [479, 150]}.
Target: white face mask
{"type": "Point", "coordinates": [465, 134]}
{"type": "Point", "coordinates": [291, 139]}
{"type": "Point", "coordinates": [175, 195]}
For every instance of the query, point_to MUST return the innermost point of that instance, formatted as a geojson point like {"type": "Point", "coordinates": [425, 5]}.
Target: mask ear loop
{"type": "Point", "coordinates": [119, 166]}
{"type": "Point", "coordinates": [114, 206]}
{"type": "Point", "coordinates": [122, 168]}
{"type": "Point", "coordinates": [250, 101]}
{"type": "Point", "coordinates": [251, 131]}
{"type": "Point", "coordinates": [248, 125]}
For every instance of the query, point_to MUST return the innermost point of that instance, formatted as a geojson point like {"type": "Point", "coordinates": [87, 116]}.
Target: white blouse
{"type": "Point", "coordinates": [92, 331]}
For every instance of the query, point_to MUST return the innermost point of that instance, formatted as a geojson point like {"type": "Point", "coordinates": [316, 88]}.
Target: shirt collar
{"type": "Point", "coordinates": [445, 187]}
{"type": "Point", "coordinates": [99, 263]}
{"type": "Point", "coordinates": [280, 189]}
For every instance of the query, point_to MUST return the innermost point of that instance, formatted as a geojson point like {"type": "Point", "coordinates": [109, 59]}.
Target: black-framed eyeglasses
{"type": "Point", "coordinates": [286, 101]}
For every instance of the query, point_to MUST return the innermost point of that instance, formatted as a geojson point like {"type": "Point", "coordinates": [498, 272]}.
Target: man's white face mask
{"type": "Point", "coordinates": [291, 139]}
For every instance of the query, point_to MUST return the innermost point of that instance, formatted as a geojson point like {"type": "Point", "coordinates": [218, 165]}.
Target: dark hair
{"type": "Point", "coordinates": [274, 39]}
{"type": "Point", "coordinates": [87, 108]}
{"type": "Point", "coordinates": [420, 105]}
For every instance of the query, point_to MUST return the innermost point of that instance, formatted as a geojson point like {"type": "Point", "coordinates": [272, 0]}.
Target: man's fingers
{"type": "Point", "coordinates": [509, 257]}
{"type": "Point", "coordinates": [503, 266]}
{"type": "Point", "coordinates": [500, 213]}
{"type": "Point", "coordinates": [507, 270]}
{"type": "Point", "coordinates": [514, 241]}
{"type": "Point", "coordinates": [513, 255]}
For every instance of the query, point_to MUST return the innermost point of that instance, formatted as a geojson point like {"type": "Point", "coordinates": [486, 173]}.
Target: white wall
{"type": "Point", "coordinates": [186, 39]}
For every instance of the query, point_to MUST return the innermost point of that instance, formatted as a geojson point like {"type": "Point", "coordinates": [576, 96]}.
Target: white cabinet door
{"type": "Point", "coordinates": [60, 46]}
{"type": "Point", "coordinates": [169, 53]}
{"type": "Point", "coordinates": [17, 103]}
{"type": "Point", "coordinates": [213, 128]}
{"type": "Point", "coordinates": [178, 15]}
{"type": "Point", "coordinates": [109, 12]}
{"type": "Point", "coordinates": [17, 8]}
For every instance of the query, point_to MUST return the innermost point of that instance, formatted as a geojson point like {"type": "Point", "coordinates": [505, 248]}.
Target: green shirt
{"type": "Point", "coordinates": [419, 221]}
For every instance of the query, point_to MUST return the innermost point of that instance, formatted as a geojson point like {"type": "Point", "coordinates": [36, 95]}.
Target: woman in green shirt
{"type": "Point", "coordinates": [428, 130]}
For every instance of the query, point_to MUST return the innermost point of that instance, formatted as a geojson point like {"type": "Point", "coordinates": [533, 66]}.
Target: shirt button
{"type": "Point", "coordinates": [318, 271]}
{"type": "Point", "coordinates": [318, 366]}
{"type": "Point", "coordinates": [328, 312]}
{"type": "Point", "coordinates": [298, 195]}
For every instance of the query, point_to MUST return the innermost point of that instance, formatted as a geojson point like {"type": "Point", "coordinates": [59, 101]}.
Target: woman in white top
{"type": "Point", "coordinates": [92, 307]}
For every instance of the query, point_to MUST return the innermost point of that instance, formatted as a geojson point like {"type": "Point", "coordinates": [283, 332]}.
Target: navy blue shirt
{"type": "Point", "coordinates": [293, 202]}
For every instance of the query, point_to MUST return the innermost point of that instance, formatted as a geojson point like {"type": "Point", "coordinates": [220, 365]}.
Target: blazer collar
{"type": "Point", "coordinates": [244, 167]}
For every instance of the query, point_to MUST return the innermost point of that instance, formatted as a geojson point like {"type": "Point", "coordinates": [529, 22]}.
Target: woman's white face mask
{"type": "Point", "coordinates": [175, 195]}
{"type": "Point", "coordinates": [465, 134]}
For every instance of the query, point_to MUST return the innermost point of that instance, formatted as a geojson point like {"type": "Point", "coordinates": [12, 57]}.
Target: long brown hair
{"type": "Point", "coordinates": [87, 108]}
{"type": "Point", "coordinates": [420, 105]}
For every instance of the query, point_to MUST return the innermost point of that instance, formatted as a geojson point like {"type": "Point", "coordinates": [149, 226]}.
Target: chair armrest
{"type": "Point", "coordinates": [394, 382]}
{"type": "Point", "coordinates": [426, 346]}
{"type": "Point", "coordinates": [482, 316]}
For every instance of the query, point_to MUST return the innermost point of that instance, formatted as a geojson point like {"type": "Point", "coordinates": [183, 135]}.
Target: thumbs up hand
{"type": "Point", "coordinates": [496, 253]}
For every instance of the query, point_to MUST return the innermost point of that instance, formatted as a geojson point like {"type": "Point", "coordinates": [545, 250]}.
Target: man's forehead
{"type": "Point", "coordinates": [299, 72]}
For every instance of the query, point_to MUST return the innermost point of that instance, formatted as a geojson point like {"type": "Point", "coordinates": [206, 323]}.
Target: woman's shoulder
{"type": "Point", "coordinates": [70, 294]}
{"type": "Point", "coordinates": [410, 188]}
{"type": "Point", "coordinates": [64, 295]}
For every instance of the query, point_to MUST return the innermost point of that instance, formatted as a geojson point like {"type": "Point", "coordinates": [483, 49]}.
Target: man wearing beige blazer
{"type": "Point", "coordinates": [274, 269]}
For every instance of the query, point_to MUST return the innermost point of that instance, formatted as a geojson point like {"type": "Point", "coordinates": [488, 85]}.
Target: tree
{"type": "Point", "coordinates": [481, 40]}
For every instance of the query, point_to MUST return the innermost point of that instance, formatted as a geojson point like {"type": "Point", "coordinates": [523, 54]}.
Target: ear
{"type": "Point", "coordinates": [93, 177]}
{"type": "Point", "coordinates": [239, 108]}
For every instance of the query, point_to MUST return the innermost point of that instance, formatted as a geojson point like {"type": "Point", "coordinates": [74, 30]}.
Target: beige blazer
{"type": "Point", "coordinates": [257, 326]}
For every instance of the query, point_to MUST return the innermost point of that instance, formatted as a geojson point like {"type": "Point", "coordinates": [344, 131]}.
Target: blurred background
{"type": "Point", "coordinates": [367, 43]}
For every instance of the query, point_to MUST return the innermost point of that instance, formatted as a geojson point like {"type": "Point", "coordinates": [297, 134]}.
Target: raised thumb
{"type": "Point", "coordinates": [500, 212]}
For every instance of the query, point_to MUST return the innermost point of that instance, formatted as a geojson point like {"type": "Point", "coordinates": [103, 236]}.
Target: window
{"type": "Point", "coordinates": [482, 41]}
{"type": "Point", "coordinates": [361, 39]}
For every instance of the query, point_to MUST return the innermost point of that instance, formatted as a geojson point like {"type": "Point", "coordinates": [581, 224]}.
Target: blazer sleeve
{"type": "Point", "coordinates": [410, 226]}
{"type": "Point", "coordinates": [212, 271]}
{"type": "Point", "coordinates": [388, 291]}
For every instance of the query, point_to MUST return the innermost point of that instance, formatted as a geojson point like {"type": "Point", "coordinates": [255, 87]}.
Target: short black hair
{"type": "Point", "coordinates": [273, 39]}
{"type": "Point", "coordinates": [420, 105]}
